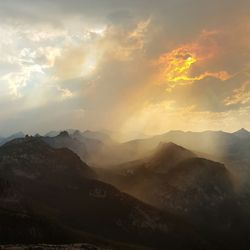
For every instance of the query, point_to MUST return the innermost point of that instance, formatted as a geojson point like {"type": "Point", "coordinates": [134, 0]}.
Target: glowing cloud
{"type": "Point", "coordinates": [176, 66]}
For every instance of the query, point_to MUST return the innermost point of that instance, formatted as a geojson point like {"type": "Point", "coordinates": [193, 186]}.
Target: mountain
{"type": "Point", "coordinates": [167, 156]}
{"type": "Point", "coordinates": [54, 133]}
{"type": "Point", "coordinates": [96, 135]}
{"type": "Point", "coordinates": [87, 147]}
{"type": "Point", "coordinates": [230, 148]}
{"type": "Point", "coordinates": [64, 140]}
{"type": "Point", "coordinates": [194, 186]}
{"type": "Point", "coordinates": [23, 164]}
{"type": "Point", "coordinates": [26, 152]}
{"type": "Point", "coordinates": [242, 133]}
{"type": "Point", "coordinates": [162, 163]}
{"type": "Point", "coordinates": [49, 195]}
{"type": "Point", "coordinates": [149, 177]}
{"type": "Point", "coordinates": [174, 179]}
{"type": "Point", "coordinates": [92, 145]}
{"type": "Point", "coordinates": [11, 137]}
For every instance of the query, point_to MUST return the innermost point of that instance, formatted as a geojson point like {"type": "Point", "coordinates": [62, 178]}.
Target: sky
{"type": "Point", "coordinates": [137, 67]}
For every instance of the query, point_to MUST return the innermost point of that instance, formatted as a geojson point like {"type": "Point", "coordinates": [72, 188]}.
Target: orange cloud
{"type": "Point", "coordinates": [176, 66]}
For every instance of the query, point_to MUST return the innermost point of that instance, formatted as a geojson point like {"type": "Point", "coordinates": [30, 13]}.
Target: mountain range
{"type": "Point", "coordinates": [41, 185]}
{"type": "Point", "coordinates": [84, 187]}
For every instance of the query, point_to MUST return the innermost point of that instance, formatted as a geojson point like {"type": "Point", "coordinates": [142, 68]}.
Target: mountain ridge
{"type": "Point", "coordinates": [56, 184]}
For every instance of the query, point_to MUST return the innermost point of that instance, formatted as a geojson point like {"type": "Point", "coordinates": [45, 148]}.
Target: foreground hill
{"type": "Point", "coordinates": [48, 195]}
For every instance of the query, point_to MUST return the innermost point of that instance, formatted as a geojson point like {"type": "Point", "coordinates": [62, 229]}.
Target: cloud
{"type": "Point", "coordinates": [240, 95]}
{"type": "Point", "coordinates": [131, 63]}
{"type": "Point", "coordinates": [176, 66]}
{"type": "Point", "coordinates": [166, 115]}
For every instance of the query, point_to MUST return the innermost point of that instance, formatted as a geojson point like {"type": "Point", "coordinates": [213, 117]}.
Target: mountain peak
{"type": "Point", "coordinates": [77, 133]}
{"type": "Point", "coordinates": [169, 148]}
{"type": "Point", "coordinates": [167, 145]}
{"type": "Point", "coordinates": [242, 132]}
{"type": "Point", "coordinates": [64, 134]}
{"type": "Point", "coordinates": [168, 155]}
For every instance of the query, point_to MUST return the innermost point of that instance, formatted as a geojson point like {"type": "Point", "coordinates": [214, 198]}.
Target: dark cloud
{"type": "Point", "coordinates": [178, 14]}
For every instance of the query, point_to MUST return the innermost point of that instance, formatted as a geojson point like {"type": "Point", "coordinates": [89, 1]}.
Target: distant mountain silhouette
{"type": "Point", "coordinates": [93, 145]}
{"type": "Point", "coordinates": [64, 140]}
{"type": "Point", "coordinates": [230, 148]}
{"type": "Point", "coordinates": [97, 135]}
{"type": "Point", "coordinates": [54, 133]}
{"type": "Point", "coordinates": [86, 145]}
{"type": "Point", "coordinates": [242, 133]}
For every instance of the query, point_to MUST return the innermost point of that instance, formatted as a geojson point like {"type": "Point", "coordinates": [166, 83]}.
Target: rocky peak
{"type": "Point", "coordinates": [242, 133]}
{"type": "Point", "coordinates": [64, 134]}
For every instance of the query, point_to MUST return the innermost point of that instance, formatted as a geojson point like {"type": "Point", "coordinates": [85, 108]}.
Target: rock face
{"type": "Point", "coordinates": [49, 195]}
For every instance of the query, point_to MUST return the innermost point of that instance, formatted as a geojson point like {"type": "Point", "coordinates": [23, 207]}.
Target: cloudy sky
{"type": "Point", "coordinates": [132, 66]}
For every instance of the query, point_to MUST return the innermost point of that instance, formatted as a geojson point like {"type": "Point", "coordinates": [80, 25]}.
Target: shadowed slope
{"type": "Point", "coordinates": [55, 185]}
